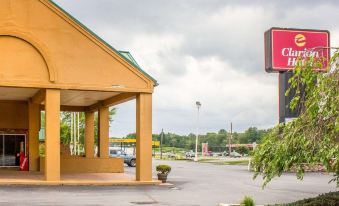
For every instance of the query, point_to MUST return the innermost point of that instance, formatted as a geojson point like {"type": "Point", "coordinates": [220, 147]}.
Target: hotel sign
{"type": "Point", "coordinates": [285, 47]}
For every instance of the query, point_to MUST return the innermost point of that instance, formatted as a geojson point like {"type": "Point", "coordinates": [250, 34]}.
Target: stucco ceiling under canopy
{"type": "Point", "coordinates": [83, 98]}
{"type": "Point", "coordinates": [67, 97]}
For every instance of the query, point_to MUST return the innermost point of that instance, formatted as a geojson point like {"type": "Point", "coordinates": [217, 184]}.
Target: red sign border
{"type": "Point", "coordinates": [269, 67]}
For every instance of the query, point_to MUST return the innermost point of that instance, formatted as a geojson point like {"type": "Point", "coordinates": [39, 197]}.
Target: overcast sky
{"type": "Point", "coordinates": [206, 50]}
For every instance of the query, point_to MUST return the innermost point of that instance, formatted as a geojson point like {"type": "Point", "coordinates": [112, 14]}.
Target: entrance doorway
{"type": "Point", "coordinates": [10, 148]}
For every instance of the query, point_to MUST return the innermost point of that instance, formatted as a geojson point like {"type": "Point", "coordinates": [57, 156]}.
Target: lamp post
{"type": "Point", "coordinates": [198, 104]}
{"type": "Point", "coordinates": [230, 141]}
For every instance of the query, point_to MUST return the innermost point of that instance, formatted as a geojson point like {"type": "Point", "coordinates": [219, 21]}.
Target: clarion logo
{"type": "Point", "coordinates": [300, 40]}
{"type": "Point", "coordinates": [294, 54]}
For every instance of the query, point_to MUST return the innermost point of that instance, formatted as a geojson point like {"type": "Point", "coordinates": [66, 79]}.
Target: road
{"type": "Point", "coordinates": [193, 184]}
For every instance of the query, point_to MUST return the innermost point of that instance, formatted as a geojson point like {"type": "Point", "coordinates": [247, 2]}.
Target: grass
{"type": "Point", "coordinates": [224, 162]}
{"type": "Point", "coordinates": [211, 160]}
{"type": "Point", "coordinates": [208, 160]}
{"type": "Point", "coordinates": [234, 162]}
{"type": "Point", "coordinates": [173, 150]}
{"type": "Point", "coordinates": [168, 158]}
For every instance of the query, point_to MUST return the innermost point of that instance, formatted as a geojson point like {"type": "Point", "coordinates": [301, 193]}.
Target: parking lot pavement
{"type": "Point", "coordinates": [193, 184]}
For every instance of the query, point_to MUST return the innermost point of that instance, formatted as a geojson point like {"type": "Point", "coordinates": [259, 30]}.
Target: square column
{"type": "Point", "coordinates": [52, 139]}
{"type": "Point", "coordinates": [103, 132]}
{"type": "Point", "coordinates": [144, 137]}
{"type": "Point", "coordinates": [89, 134]}
{"type": "Point", "coordinates": [33, 135]}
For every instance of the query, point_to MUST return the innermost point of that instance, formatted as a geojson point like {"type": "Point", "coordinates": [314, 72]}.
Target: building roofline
{"type": "Point", "coordinates": [134, 64]}
{"type": "Point", "coordinates": [130, 56]}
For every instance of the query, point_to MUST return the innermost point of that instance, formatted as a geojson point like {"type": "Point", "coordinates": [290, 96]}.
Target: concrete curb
{"type": "Point", "coordinates": [78, 183]}
{"type": "Point", "coordinates": [230, 204]}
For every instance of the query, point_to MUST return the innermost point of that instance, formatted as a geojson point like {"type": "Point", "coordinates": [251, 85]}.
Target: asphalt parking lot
{"type": "Point", "coordinates": [193, 184]}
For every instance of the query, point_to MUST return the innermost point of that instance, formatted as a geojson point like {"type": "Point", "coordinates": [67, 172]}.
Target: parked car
{"type": "Point", "coordinates": [217, 154]}
{"type": "Point", "coordinates": [225, 154]}
{"type": "Point", "coordinates": [235, 154]}
{"type": "Point", "coordinates": [171, 155]}
{"type": "Point", "coordinates": [190, 154]}
{"type": "Point", "coordinates": [130, 160]}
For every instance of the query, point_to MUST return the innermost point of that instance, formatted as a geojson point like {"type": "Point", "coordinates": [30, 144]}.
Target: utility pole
{"type": "Point", "coordinates": [230, 142]}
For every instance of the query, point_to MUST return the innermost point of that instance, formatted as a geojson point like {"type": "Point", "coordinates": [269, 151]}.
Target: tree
{"type": "Point", "coordinates": [65, 128]}
{"type": "Point", "coordinates": [65, 122]}
{"type": "Point", "coordinates": [216, 141]}
{"type": "Point", "coordinates": [222, 131]}
{"type": "Point", "coordinates": [311, 138]}
{"type": "Point", "coordinates": [242, 150]}
{"type": "Point", "coordinates": [251, 135]}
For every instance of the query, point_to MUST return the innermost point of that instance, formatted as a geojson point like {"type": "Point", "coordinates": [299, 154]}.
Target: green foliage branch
{"type": "Point", "coordinates": [313, 137]}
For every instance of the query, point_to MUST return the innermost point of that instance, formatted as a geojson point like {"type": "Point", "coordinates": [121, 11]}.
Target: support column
{"type": "Point", "coordinates": [52, 139]}
{"type": "Point", "coordinates": [89, 134]}
{"type": "Point", "coordinates": [103, 132]}
{"type": "Point", "coordinates": [144, 137]}
{"type": "Point", "coordinates": [33, 135]}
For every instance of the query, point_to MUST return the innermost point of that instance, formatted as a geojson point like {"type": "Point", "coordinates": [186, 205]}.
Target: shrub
{"type": "Point", "coordinates": [328, 199]}
{"type": "Point", "coordinates": [247, 201]}
{"type": "Point", "coordinates": [42, 149]}
{"type": "Point", "coordinates": [163, 169]}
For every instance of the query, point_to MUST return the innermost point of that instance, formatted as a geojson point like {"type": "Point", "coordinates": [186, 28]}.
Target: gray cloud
{"type": "Point", "coordinates": [211, 50]}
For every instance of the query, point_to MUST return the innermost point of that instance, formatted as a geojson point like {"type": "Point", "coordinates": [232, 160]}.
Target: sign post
{"type": "Point", "coordinates": [204, 149]}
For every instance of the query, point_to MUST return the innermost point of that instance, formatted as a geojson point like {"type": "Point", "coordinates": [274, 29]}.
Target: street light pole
{"type": "Point", "coordinates": [198, 104]}
{"type": "Point", "coordinates": [230, 141]}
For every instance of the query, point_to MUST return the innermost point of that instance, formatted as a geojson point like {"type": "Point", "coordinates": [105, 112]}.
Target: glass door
{"type": "Point", "coordinates": [10, 152]}
{"type": "Point", "coordinates": [2, 149]}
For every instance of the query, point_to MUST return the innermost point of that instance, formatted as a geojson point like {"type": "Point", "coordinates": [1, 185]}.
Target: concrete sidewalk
{"type": "Point", "coordinates": [10, 177]}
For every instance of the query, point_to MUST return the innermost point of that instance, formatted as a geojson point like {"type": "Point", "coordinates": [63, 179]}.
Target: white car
{"type": "Point", "coordinates": [235, 154]}
{"type": "Point", "coordinates": [190, 154]}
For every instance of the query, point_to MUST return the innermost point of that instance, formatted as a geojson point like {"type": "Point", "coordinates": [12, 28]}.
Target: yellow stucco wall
{"type": "Point", "coordinates": [88, 165]}
{"type": "Point", "coordinates": [42, 47]}
{"type": "Point", "coordinates": [20, 61]}
{"type": "Point", "coordinates": [13, 115]}
{"type": "Point", "coordinates": [144, 137]}
{"type": "Point", "coordinates": [33, 136]}
{"type": "Point", "coordinates": [52, 135]}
